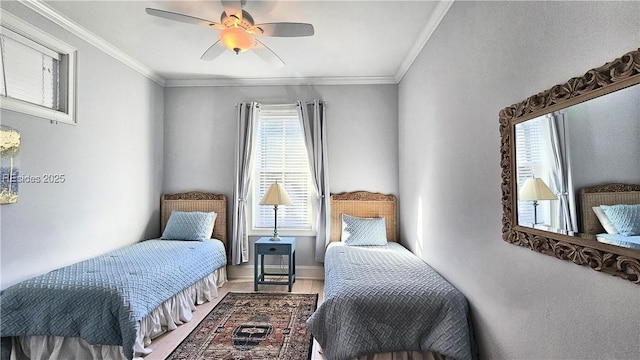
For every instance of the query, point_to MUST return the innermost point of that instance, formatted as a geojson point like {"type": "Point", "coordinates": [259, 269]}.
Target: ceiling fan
{"type": "Point", "coordinates": [238, 31]}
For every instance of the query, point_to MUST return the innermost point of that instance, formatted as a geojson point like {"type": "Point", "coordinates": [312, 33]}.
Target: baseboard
{"type": "Point", "coordinates": [237, 272]}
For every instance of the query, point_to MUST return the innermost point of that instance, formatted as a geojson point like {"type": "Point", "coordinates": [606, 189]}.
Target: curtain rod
{"type": "Point", "coordinates": [289, 104]}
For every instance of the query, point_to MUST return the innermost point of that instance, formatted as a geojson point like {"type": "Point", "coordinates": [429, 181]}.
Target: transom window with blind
{"type": "Point", "coordinates": [281, 155]}
{"type": "Point", "coordinates": [37, 74]}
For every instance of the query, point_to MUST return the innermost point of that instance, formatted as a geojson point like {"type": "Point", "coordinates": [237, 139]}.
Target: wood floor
{"type": "Point", "coordinates": [164, 345]}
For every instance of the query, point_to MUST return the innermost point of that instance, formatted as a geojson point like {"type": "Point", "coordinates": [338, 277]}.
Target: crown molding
{"type": "Point", "coordinates": [93, 39]}
{"type": "Point", "coordinates": [426, 33]}
{"type": "Point", "coordinates": [339, 80]}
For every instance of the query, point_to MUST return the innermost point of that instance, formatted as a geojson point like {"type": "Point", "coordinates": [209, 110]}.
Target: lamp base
{"type": "Point", "coordinates": [275, 224]}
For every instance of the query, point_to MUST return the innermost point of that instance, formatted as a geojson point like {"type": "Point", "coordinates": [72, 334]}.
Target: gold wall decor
{"type": "Point", "coordinates": [9, 169]}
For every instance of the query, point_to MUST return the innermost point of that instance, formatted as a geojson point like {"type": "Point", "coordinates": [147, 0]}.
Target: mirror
{"type": "Point", "coordinates": [551, 144]}
{"type": "Point", "coordinates": [571, 149]}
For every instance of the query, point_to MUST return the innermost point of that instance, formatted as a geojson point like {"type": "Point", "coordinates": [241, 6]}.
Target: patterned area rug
{"type": "Point", "coordinates": [252, 326]}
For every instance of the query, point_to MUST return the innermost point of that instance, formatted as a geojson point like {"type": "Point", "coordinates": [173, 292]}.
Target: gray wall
{"type": "Point", "coordinates": [483, 57]}
{"type": "Point", "coordinates": [112, 161]}
{"type": "Point", "coordinates": [200, 131]}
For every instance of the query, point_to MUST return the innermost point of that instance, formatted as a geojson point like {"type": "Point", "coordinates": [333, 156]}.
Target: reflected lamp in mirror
{"type": "Point", "coordinates": [534, 189]}
{"type": "Point", "coordinates": [275, 195]}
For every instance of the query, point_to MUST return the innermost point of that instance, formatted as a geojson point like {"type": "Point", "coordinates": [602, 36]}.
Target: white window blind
{"type": "Point", "coordinates": [29, 70]}
{"type": "Point", "coordinates": [281, 155]}
{"type": "Point", "coordinates": [37, 71]}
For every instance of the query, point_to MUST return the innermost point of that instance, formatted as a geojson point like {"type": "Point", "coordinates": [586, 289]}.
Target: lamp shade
{"type": "Point", "coordinates": [535, 189]}
{"type": "Point", "coordinates": [276, 195]}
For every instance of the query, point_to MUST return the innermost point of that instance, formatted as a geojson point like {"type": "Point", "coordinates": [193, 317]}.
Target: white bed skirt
{"type": "Point", "coordinates": [166, 317]}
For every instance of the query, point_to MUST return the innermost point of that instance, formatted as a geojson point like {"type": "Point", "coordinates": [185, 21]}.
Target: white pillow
{"type": "Point", "coordinates": [604, 220]}
{"type": "Point", "coordinates": [189, 225]}
{"type": "Point", "coordinates": [363, 231]}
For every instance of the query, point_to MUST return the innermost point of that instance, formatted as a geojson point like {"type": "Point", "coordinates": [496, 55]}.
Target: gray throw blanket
{"type": "Point", "coordinates": [384, 299]}
{"type": "Point", "coordinates": [103, 299]}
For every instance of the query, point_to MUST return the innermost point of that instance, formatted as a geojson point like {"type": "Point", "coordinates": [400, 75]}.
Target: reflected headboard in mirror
{"type": "Point", "coordinates": [609, 194]}
{"type": "Point", "coordinates": [580, 248]}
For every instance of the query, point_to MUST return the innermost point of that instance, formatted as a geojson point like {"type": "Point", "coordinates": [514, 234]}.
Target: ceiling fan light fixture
{"type": "Point", "coordinates": [238, 31]}
{"type": "Point", "coordinates": [237, 39]}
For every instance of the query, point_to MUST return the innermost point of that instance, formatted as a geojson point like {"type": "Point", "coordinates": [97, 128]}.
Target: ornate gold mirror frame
{"type": "Point", "coordinates": [618, 74]}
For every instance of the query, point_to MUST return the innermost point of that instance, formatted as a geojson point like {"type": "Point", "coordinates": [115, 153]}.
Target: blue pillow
{"type": "Point", "coordinates": [192, 225]}
{"type": "Point", "coordinates": [625, 218]}
{"type": "Point", "coordinates": [363, 231]}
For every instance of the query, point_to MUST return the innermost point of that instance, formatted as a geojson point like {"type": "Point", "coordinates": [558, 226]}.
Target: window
{"type": "Point", "coordinates": [281, 155]}
{"type": "Point", "coordinates": [37, 72]}
{"type": "Point", "coordinates": [532, 154]}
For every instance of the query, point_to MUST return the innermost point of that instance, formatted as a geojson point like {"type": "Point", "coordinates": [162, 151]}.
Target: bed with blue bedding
{"type": "Point", "coordinates": [611, 213]}
{"type": "Point", "coordinates": [380, 298]}
{"type": "Point", "coordinates": [106, 299]}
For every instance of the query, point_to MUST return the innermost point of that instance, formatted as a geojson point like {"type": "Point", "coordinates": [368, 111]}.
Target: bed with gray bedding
{"type": "Point", "coordinates": [381, 299]}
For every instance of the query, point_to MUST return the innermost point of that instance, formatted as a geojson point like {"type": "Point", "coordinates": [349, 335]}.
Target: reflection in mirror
{"type": "Point", "coordinates": [591, 143]}
{"type": "Point", "coordinates": [611, 214]}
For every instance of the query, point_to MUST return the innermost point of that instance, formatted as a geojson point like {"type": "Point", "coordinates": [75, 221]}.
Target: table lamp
{"type": "Point", "coordinates": [534, 189]}
{"type": "Point", "coordinates": [275, 195]}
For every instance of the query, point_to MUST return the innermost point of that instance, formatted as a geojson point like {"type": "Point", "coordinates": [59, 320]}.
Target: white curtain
{"type": "Point", "coordinates": [560, 174]}
{"type": "Point", "coordinates": [314, 127]}
{"type": "Point", "coordinates": [247, 119]}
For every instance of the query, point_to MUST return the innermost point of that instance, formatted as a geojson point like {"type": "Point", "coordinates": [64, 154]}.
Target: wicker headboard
{"type": "Point", "coordinates": [609, 194]}
{"type": "Point", "coordinates": [363, 204]}
{"type": "Point", "coordinates": [197, 201]}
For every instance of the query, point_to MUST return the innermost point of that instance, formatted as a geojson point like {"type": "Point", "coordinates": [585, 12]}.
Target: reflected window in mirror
{"type": "Point", "coordinates": [542, 153]}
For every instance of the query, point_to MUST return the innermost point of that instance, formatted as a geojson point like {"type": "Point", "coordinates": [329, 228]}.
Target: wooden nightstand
{"type": "Point", "coordinates": [264, 246]}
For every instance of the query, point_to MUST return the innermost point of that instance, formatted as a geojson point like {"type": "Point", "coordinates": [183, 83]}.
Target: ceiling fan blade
{"type": "Point", "coordinates": [213, 51]}
{"type": "Point", "coordinates": [233, 7]}
{"type": "Point", "coordinates": [183, 18]}
{"type": "Point", "coordinates": [284, 29]}
{"type": "Point", "coordinates": [268, 55]}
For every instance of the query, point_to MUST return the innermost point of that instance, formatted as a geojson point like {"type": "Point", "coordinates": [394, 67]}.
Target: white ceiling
{"type": "Point", "coordinates": [354, 41]}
